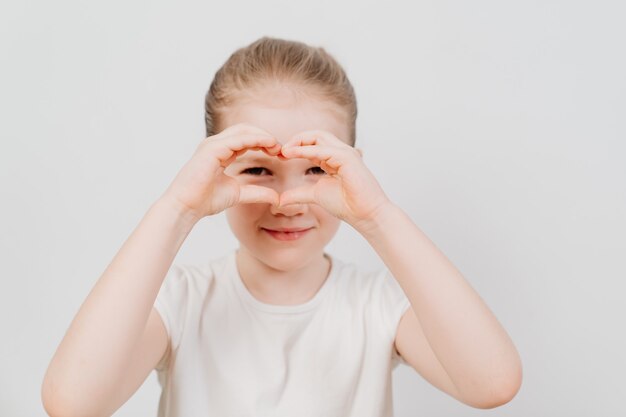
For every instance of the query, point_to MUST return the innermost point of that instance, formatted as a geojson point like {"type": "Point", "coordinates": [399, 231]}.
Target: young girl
{"type": "Point", "coordinates": [278, 327]}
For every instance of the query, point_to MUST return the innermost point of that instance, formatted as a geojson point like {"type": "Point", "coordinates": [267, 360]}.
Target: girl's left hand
{"type": "Point", "coordinates": [349, 190]}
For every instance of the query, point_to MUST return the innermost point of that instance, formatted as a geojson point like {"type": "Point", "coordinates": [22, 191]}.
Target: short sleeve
{"type": "Point", "coordinates": [171, 303]}
{"type": "Point", "coordinates": [393, 303]}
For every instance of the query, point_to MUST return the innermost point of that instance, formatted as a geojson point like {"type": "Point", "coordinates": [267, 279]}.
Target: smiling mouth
{"type": "Point", "coordinates": [286, 234]}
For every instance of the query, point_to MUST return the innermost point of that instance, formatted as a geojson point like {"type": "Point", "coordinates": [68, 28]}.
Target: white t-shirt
{"type": "Point", "coordinates": [232, 355]}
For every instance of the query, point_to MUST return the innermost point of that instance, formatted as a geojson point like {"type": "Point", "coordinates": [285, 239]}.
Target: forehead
{"type": "Point", "coordinates": [283, 111]}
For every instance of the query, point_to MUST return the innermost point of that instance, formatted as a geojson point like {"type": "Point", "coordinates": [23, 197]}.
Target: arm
{"type": "Point", "coordinates": [92, 362]}
{"type": "Point", "coordinates": [467, 339]}
{"type": "Point", "coordinates": [116, 337]}
{"type": "Point", "coordinates": [477, 360]}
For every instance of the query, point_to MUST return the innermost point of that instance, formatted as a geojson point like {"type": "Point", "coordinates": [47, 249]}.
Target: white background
{"type": "Point", "coordinates": [498, 126]}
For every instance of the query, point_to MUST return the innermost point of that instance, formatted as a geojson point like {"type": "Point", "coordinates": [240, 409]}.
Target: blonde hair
{"type": "Point", "coordinates": [272, 59]}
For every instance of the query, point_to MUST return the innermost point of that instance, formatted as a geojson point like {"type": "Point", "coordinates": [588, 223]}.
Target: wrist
{"type": "Point", "coordinates": [180, 214]}
{"type": "Point", "coordinates": [379, 221]}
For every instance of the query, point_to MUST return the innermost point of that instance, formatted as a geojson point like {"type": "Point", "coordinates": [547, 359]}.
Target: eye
{"type": "Point", "coordinates": [253, 171]}
{"type": "Point", "coordinates": [319, 170]}
{"type": "Point", "coordinates": [257, 171]}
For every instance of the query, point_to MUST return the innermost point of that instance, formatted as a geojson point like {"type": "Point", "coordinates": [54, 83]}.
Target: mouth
{"type": "Point", "coordinates": [287, 234]}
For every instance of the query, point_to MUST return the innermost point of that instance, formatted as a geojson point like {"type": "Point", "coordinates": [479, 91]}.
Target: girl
{"type": "Point", "coordinates": [278, 327]}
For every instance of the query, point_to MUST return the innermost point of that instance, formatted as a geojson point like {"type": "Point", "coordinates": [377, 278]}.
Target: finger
{"type": "Point", "coordinates": [227, 149]}
{"type": "Point", "coordinates": [248, 141]}
{"type": "Point", "coordinates": [302, 140]}
{"type": "Point", "coordinates": [257, 194]}
{"type": "Point", "coordinates": [315, 137]}
{"type": "Point", "coordinates": [298, 195]}
{"type": "Point", "coordinates": [273, 151]}
{"type": "Point", "coordinates": [327, 155]}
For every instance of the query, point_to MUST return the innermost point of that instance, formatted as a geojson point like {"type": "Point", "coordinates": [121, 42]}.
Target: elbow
{"type": "Point", "coordinates": [49, 397]}
{"type": "Point", "coordinates": [57, 406]}
{"type": "Point", "coordinates": [500, 391]}
{"type": "Point", "coordinates": [59, 402]}
{"type": "Point", "coordinates": [53, 400]}
{"type": "Point", "coordinates": [495, 400]}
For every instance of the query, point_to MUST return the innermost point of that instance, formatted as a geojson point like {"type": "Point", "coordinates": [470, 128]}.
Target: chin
{"type": "Point", "coordinates": [287, 262]}
{"type": "Point", "coordinates": [288, 259]}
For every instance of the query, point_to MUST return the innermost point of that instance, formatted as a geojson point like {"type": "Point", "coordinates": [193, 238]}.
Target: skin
{"type": "Point", "coordinates": [449, 335]}
{"type": "Point", "coordinates": [116, 339]}
{"type": "Point", "coordinates": [278, 272]}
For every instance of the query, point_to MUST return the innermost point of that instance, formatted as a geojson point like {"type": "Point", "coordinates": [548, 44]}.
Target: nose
{"type": "Point", "coordinates": [291, 209]}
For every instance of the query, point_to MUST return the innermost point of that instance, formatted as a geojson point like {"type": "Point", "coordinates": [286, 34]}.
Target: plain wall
{"type": "Point", "coordinates": [499, 127]}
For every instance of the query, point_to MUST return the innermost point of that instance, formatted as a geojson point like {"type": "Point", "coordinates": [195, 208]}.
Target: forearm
{"type": "Point", "coordinates": [100, 340]}
{"type": "Point", "coordinates": [466, 337]}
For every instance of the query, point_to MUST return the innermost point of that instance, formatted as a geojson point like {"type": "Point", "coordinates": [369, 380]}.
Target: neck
{"type": "Point", "coordinates": [282, 287]}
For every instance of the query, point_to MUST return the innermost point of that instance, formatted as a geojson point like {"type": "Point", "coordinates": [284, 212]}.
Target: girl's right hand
{"type": "Point", "coordinates": [202, 189]}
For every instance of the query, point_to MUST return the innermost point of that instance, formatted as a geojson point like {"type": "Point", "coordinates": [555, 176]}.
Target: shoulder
{"type": "Point", "coordinates": [183, 292]}
{"type": "Point", "coordinates": [357, 279]}
{"type": "Point", "coordinates": [378, 284]}
{"type": "Point", "coordinates": [184, 278]}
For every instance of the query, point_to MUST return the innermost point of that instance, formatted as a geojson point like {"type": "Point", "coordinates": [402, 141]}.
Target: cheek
{"type": "Point", "coordinates": [329, 222]}
{"type": "Point", "coordinates": [243, 214]}
{"type": "Point", "coordinates": [237, 218]}
{"type": "Point", "coordinates": [261, 180]}
{"type": "Point", "coordinates": [256, 180]}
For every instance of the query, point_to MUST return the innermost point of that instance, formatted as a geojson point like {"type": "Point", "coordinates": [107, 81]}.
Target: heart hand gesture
{"type": "Point", "coordinates": [202, 189]}
{"type": "Point", "coordinates": [349, 191]}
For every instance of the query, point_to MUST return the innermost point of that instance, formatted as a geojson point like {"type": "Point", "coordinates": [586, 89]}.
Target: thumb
{"type": "Point", "coordinates": [257, 194]}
